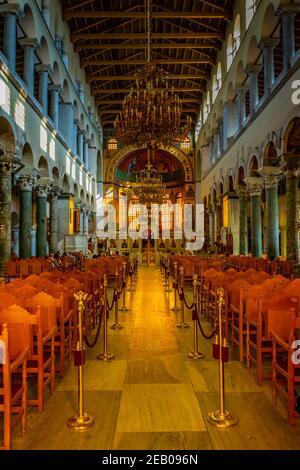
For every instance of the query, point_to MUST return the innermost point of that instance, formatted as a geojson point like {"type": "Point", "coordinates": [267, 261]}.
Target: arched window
{"type": "Point", "coordinates": [229, 51]}
{"type": "Point", "coordinates": [250, 11]}
{"type": "Point", "coordinates": [186, 143]}
{"type": "Point", "coordinates": [236, 36]}
{"type": "Point", "coordinates": [112, 144]}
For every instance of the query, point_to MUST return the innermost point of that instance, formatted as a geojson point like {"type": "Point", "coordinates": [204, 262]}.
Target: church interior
{"type": "Point", "coordinates": [149, 225]}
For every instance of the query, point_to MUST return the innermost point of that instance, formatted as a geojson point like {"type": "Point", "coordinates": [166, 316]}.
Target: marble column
{"type": "Point", "coordinates": [29, 45]}
{"type": "Point", "coordinates": [255, 186]}
{"type": "Point", "coordinates": [54, 193]}
{"type": "Point", "coordinates": [271, 183]}
{"type": "Point", "coordinates": [217, 222]}
{"type": "Point", "coordinates": [292, 223]}
{"type": "Point", "coordinates": [25, 184]}
{"type": "Point", "coordinates": [211, 225]}
{"type": "Point", "coordinates": [10, 13]}
{"type": "Point", "coordinates": [43, 71]}
{"type": "Point", "coordinates": [243, 198]}
{"type": "Point", "coordinates": [240, 106]}
{"type": "Point", "coordinates": [287, 14]}
{"type": "Point", "coordinates": [86, 214]}
{"type": "Point", "coordinates": [268, 45]}
{"type": "Point", "coordinates": [66, 122]}
{"type": "Point", "coordinates": [225, 126]}
{"type": "Point", "coordinates": [80, 134]}
{"type": "Point", "coordinates": [253, 72]}
{"type": "Point", "coordinates": [41, 219]}
{"type": "Point", "coordinates": [6, 169]}
{"type": "Point", "coordinates": [55, 91]}
{"type": "Point", "coordinates": [86, 153]}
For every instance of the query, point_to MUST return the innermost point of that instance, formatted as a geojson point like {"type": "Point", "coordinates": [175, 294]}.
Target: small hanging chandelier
{"type": "Point", "coordinates": [152, 111]}
{"type": "Point", "coordinates": [149, 188]}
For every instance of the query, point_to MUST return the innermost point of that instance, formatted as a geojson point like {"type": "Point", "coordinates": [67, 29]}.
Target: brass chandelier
{"type": "Point", "coordinates": [149, 188]}
{"type": "Point", "coordinates": [152, 111]}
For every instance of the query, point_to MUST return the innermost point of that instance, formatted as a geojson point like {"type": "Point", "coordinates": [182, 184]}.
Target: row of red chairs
{"type": "Point", "coordinates": [38, 321]}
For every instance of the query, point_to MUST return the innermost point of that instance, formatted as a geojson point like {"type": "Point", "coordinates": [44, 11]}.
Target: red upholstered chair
{"type": "Point", "coordinates": [11, 269]}
{"type": "Point", "coordinates": [14, 352]}
{"type": "Point", "coordinates": [286, 370]}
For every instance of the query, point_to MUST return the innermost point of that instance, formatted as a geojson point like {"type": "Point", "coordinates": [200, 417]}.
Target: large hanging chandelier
{"type": "Point", "coordinates": [149, 188]}
{"type": "Point", "coordinates": [152, 111]}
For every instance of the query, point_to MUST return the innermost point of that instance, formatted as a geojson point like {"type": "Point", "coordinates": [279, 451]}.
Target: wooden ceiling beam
{"type": "Point", "coordinates": [117, 111]}
{"type": "Point", "coordinates": [101, 102]}
{"type": "Point", "coordinates": [125, 47]}
{"type": "Point", "coordinates": [121, 36]}
{"type": "Point", "coordinates": [102, 63]}
{"type": "Point", "coordinates": [112, 78]}
{"type": "Point", "coordinates": [112, 91]}
{"type": "Point", "coordinates": [198, 15]}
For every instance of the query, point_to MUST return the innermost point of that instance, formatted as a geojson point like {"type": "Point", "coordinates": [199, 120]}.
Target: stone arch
{"type": "Point", "coordinates": [27, 22]}
{"type": "Point", "coordinates": [270, 157]}
{"type": "Point", "coordinates": [56, 75]}
{"type": "Point", "coordinates": [43, 52]}
{"type": "Point", "coordinates": [82, 198]}
{"type": "Point", "coordinates": [56, 176]}
{"type": "Point", "coordinates": [92, 201]}
{"type": "Point", "coordinates": [99, 167]}
{"type": "Point", "coordinates": [75, 190]}
{"type": "Point", "coordinates": [241, 175]}
{"type": "Point", "coordinates": [27, 158]}
{"type": "Point", "coordinates": [229, 185]}
{"type": "Point", "coordinates": [117, 158]}
{"type": "Point", "coordinates": [241, 75]}
{"type": "Point", "coordinates": [7, 136]}
{"type": "Point", "coordinates": [292, 137]}
{"type": "Point", "coordinates": [76, 112]}
{"type": "Point", "coordinates": [253, 166]}
{"type": "Point", "coordinates": [87, 199]}
{"type": "Point", "coordinates": [66, 184]}
{"type": "Point", "coordinates": [65, 94]}
{"type": "Point", "coordinates": [270, 21]}
{"type": "Point", "coordinates": [253, 51]}
{"type": "Point", "coordinates": [43, 167]}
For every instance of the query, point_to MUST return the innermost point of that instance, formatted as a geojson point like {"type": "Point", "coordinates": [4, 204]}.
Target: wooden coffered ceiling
{"type": "Point", "coordinates": [110, 36]}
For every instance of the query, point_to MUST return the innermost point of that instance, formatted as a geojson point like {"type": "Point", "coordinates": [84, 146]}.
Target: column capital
{"type": "Point", "coordinates": [291, 161]}
{"type": "Point", "coordinates": [54, 192]}
{"type": "Point", "coordinates": [290, 9]}
{"type": "Point", "coordinates": [9, 162]}
{"type": "Point", "coordinates": [241, 90]}
{"type": "Point", "coordinates": [13, 8]}
{"type": "Point", "coordinates": [56, 88]}
{"type": "Point", "coordinates": [270, 43]}
{"type": "Point", "coordinates": [254, 69]}
{"type": "Point", "coordinates": [271, 181]}
{"type": "Point", "coordinates": [255, 185]}
{"type": "Point", "coordinates": [43, 68]}
{"type": "Point", "coordinates": [29, 42]}
{"type": "Point", "coordinates": [26, 182]}
{"type": "Point", "coordinates": [242, 192]}
{"type": "Point", "coordinates": [271, 175]}
{"type": "Point", "coordinates": [42, 191]}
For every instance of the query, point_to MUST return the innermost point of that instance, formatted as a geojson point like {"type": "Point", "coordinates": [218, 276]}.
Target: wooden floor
{"type": "Point", "coordinates": [152, 397]}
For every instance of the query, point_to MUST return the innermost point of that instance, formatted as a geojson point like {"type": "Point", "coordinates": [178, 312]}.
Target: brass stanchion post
{"type": "Point", "coordinates": [222, 418]}
{"type": "Point", "coordinates": [106, 356]}
{"type": "Point", "coordinates": [81, 421]}
{"type": "Point", "coordinates": [117, 325]}
{"type": "Point", "coordinates": [124, 308]}
{"type": "Point", "coordinates": [195, 355]}
{"type": "Point", "coordinates": [175, 308]}
{"type": "Point", "coordinates": [182, 324]}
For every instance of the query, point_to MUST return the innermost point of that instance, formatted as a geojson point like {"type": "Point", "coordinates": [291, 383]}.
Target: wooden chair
{"type": "Point", "coordinates": [286, 371]}
{"type": "Point", "coordinates": [259, 342]}
{"type": "Point", "coordinates": [236, 314]}
{"type": "Point", "coordinates": [40, 363]}
{"type": "Point", "coordinates": [14, 350]}
{"type": "Point", "coordinates": [11, 269]}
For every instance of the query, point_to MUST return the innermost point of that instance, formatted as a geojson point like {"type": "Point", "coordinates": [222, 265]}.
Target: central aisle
{"type": "Point", "coordinates": [152, 397]}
